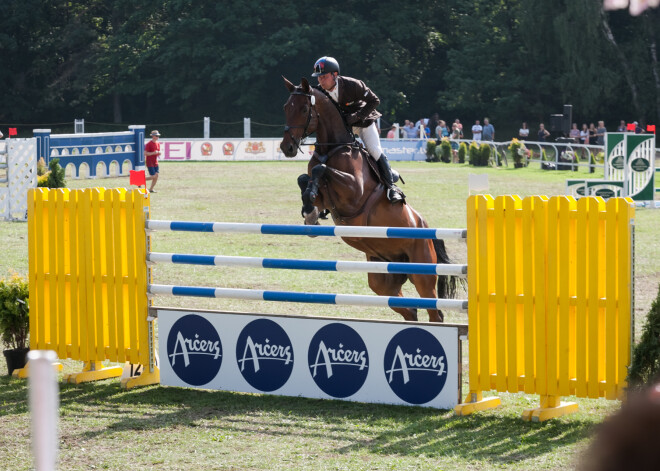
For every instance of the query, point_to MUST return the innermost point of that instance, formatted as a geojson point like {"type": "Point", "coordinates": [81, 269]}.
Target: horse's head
{"type": "Point", "coordinates": [301, 116]}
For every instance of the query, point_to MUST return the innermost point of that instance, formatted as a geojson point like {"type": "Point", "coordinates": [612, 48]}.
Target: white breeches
{"type": "Point", "coordinates": [371, 139]}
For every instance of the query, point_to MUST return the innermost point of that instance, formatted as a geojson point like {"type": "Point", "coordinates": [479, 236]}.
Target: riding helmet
{"type": "Point", "coordinates": [324, 65]}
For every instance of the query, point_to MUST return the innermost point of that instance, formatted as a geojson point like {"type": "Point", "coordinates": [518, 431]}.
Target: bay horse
{"type": "Point", "coordinates": [342, 179]}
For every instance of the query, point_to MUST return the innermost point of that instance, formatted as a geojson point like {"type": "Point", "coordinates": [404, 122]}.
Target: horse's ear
{"type": "Point", "coordinates": [288, 84]}
{"type": "Point", "coordinates": [305, 84]}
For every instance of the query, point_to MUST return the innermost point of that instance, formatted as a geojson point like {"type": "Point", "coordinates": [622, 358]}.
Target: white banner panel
{"type": "Point", "coordinates": [228, 149]}
{"type": "Point", "coordinates": [363, 361]}
{"type": "Point", "coordinates": [269, 149]}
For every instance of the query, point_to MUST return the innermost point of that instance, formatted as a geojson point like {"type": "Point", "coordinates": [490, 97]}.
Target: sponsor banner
{"type": "Point", "coordinates": [404, 150]}
{"type": "Point", "coordinates": [268, 149]}
{"type": "Point", "coordinates": [228, 149]}
{"type": "Point", "coordinates": [364, 361]}
{"type": "Point", "coordinates": [594, 187]}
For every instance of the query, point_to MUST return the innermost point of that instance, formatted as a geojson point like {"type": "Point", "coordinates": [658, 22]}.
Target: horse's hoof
{"type": "Point", "coordinates": [312, 219]}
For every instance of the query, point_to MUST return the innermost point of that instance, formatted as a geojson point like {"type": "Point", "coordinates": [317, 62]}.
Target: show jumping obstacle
{"type": "Point", "coordinates": [93, 154]}
{"type": "Point", "coordinates": [549, 301]}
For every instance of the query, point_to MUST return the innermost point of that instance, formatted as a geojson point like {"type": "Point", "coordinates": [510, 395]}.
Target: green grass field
{"type": "Point", "coordinates": [104, 427]}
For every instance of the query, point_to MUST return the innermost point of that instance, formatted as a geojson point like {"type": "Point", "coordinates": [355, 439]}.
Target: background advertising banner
{"type": "Point", "coordinates": [404, 150]}
{"type": "Point", "coordinates": [268, 149]}
{"type": "Point", "coordinates": [228, 149]}
{"type": "Point", "coordinates": [363, 361]}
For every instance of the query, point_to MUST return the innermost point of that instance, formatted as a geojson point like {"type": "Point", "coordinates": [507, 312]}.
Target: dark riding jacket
{"type": "Point", "coordinates": [356, 98]}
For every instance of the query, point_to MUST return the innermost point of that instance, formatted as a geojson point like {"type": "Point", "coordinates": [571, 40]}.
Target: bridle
{"type": "Point", "coordinates": [287, 128]}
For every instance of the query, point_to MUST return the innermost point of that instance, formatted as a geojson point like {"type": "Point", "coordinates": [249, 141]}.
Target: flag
{"type": "Point", "coordinates": [650, 128]}
{"type": "Point", "coordinates": [138, 177]}
{"type": "Point", "coordinates": [630, 127]}
{"type": "Point", "coordinates": [13, 132]}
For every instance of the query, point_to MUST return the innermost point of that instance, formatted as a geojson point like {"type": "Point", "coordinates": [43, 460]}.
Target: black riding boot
{"type": "Point", "coordinates": [393, 193]}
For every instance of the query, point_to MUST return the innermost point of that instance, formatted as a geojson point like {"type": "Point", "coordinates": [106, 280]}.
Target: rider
{"type": "Point", "coordinates": [358, 105]}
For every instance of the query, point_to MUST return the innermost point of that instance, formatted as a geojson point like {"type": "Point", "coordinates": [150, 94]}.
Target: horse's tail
{"type": "Point", "coordinates": [447, 284]}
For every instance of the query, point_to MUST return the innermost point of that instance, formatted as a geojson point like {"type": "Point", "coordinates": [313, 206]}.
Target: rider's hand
{"type": "Point", "coordinates": [352, 119]}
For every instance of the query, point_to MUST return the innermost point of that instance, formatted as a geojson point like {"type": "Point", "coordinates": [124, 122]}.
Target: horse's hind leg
{"type": "Point", "coordinates": [387, 284]}
{"type": "Point", "coordinates": [425, 286]}
{"type": "Point", "coordinates": [423, 252]}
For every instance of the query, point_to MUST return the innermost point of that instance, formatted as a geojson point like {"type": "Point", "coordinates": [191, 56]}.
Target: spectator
{"type": "Point", "coordinates": [574, 133]}
{"type": "Point", "coordinates": [600, 133]}
{"type": "Point", "coordinates": [424, 132]}
{"type": "Point", "coordinates": [459, 131]}
{"type": "Point", "coordinates": [523, 132]}
{"type": "Point", "coordinates": [584, 139]}
{"type": "Point", "coordinates": [488, 131]}
{"type": "Point", "coordinates": [622, 127]}
{"type": "Point", "coordinates": [584, 134]}
{"type": "Point", "coordinates": [592, 133]}
{"type": "Point", "coordinates": [456, 134]}
{"type": "Point", "coordinates": [432, 124]}
{"type": "Point", "coordinates": [638, 128]}
{"type": "Point", "coordinates": [628, 439]}
{"type": "Point", "coordinates": [543, 133]}
{"type": "Point", "coordinates": [391, 134]}
{"type": "Point", "coordinates": [460, 126]}
{"type": "Point", "coordinates": [476, 131]}
{"type": "Point", "coordinates": [151, 153]}
{"type": "Point", "coordinates": [409, 130]}
{"type": "Point", "coordinates": [442, 131]}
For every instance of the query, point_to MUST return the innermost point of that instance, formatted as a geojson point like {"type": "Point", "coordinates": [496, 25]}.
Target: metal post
{"type": "Point", "coordinates": [397, 136]}
{"type": "Point", "coordinates": [207, 127]}
{"type": "Point", "coordinates": [44, 405]}
{"type": "Point", "coordinates": [246, 128]}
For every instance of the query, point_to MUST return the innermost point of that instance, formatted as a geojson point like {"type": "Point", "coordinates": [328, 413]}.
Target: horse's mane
{"type": "Point", "coordinates": [323, 99]}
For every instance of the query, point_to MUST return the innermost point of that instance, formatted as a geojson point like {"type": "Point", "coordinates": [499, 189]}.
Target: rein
{"type": "Point", "coordinates": [287, 128]}
{"type": "Point", "coordinates": [305, 135]}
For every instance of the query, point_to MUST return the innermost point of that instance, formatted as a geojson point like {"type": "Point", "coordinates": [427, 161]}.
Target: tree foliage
{"type": "Point", "coordinates": [175, 60]}
{"type": "Point", "coordinates": [645, 366]}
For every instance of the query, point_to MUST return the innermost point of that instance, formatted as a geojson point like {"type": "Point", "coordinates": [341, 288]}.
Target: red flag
{"type": "Point", "coordinates": [138, 178]}
{"type": "Point", "coordinates": [13, 132]}
{"type": "Point", "coordinates": [630, 127]}
{"type": "Point", "coordinates": [650, 128]}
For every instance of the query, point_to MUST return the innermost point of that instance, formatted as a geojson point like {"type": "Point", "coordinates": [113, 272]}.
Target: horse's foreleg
{"type": "Point", "coordinates": [309, 186]}
{"type": "Point", "coordinates": [312, 190]}
{"type": "Point", "coordinates": [388, 284]}
{"type": "Point", "coordinates": [303, 181]}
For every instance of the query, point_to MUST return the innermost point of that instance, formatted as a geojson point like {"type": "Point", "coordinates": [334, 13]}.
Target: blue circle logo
{"type": "Point", "coordinates": [415, 365]}
{"type": "Point", "coordinates": [194, 350]}
{"type": "Point", "coordinates": [338, 360]}
{"type": "Point", "coordinates": [265, 355]}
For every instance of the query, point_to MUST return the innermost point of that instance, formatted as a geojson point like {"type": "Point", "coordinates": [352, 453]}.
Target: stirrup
{"type": "Point", "coordinates": [395, 195]}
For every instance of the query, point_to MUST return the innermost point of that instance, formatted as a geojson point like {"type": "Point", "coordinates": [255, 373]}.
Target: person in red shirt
{"type": "Point", "coordinates": [151, 153]}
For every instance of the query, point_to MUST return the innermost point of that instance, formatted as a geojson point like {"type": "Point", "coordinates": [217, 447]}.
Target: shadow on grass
{"type": "Point", "coordinates": [499, 437]}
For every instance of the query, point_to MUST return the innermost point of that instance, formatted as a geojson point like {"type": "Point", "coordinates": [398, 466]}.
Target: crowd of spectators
{"type": "Point", "coordinates": [436, 128]}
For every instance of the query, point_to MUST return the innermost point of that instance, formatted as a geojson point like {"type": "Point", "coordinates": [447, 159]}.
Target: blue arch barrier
{"type": "Point", "coordinates": [90, 149]}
